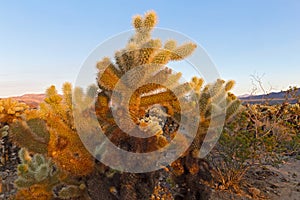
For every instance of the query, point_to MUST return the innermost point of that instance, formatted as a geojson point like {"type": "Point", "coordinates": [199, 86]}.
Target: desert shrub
{"type": "Point", "coordinates": [259, 135]}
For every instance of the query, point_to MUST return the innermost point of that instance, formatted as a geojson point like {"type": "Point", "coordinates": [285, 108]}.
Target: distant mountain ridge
{"type": "Point", "coordinates": [273, 97]}
{"type": "Point", "coordinates": [32, 100]}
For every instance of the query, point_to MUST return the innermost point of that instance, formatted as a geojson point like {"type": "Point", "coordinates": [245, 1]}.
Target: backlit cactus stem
{"type": "Point", "coordinates": [31, 134]}
{"type": "Point", "coordinates": [183, 51]}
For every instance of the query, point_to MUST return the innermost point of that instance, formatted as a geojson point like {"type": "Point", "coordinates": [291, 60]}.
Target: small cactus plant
{"type": "Point", "coordinates": [143, 62]}
{"type": "Point", "coordinates": [36, 172]}
{"type": "Point", "coordinates": [11, 110]}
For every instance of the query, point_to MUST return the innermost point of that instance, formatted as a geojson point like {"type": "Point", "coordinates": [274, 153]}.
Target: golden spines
{"type": "Point", "coordinates": [173, 80]}
{"type": "Point", "coordinates": [150, 20]}
{"type": "Point", "coordinates": [103, 64]}
{"type": "Point", "coordinates": [233, 108]}
{"type": "Point", "coordinates": [52, 97]}
{"type": "Point", "coordinates": [170, 45]}
{"type": "Point", "coordinates": [146, 23]}
{"type": "Point", "coordinates": [144, 55]}
{"type": "Point", "coordinates": [133, 77]}
{"type": "Point", "coordinates": [11, 110]}
{"type": "Point", "coordinates": [137, 22]}
{"type": "Point", "coordinates": [183, 51]}
{"type": "Point", "coordinates": [229, 85]}
{"type": "Point", "coordinates": [157, 98]}
{"type": "Point", "coordinates": [146, 52]}
{"type": "Point", "coordinates": [65, 146]}
{"type": "Point", "coordinates": [230, 97]}
{"type": "Point", "coordinates": [160, 77]}
{"type": "Point", "coordinates": [196, 83]}
{"type": "Point", "coordinates": [182, 90]}
{"type": "Point", "coordinates": [109, 78]}
{"type": "Point", "coordinates": [161, 57]}
{"type": "Point", "coordinates": [31, 134]}
{"type": "Point", "coordinates": [216, 88]}
{"type": "Point", "coordinates": [68, 152]}
{"type": "Point", "coordinates": [204, 101]}
{"type": "Point", "coordinates": [102, 106]}
{"type": "Point", "coordinates": [67, 94]}
{"type": "Point", "coordinates": [35, 192]}
{"type": "Point", "coordinates": [128, 58]}
{"type": "Point", "coordinates": [153, 43]}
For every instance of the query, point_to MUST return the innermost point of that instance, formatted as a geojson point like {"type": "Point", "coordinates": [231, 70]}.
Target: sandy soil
{"type": "Point", "coordinates": [276, 183]}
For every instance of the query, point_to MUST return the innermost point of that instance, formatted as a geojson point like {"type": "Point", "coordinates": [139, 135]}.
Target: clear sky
{"type": "Point", "coordinates": [45, 42]}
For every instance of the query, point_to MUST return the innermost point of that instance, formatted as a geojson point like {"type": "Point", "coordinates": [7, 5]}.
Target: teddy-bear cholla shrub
{"type": "Point", "coordinates": [142, 50]}
{"type": "Point", "coordinates": [48, 134]}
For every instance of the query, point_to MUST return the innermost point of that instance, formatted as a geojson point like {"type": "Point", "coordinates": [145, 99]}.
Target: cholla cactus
{"type": "Point", "coordinates": [40, 178]}
{"type": "Point", "coordinates": [31, 134]}
{"type": "Point", "coordinates": [50, 131]}
{"type": "Point", "coordinates": [143, 62]}
{"type": "Point", "coordinates": [36, 176]}
{"type": "Point", "coordinates": [11, 110]}
{"type": "Point", "coordinates": [65, 146]}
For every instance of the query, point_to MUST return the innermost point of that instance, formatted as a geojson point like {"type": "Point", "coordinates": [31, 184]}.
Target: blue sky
{"type": "Point", "coordinates": [45, 42]}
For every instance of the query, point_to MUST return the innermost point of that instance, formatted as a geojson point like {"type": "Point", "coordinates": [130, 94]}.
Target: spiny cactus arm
{"type": "Point", "coordinates": [160, 77]}
{"type": "Point", "coordinates": [32, 135]}
{"type": "Point", "coordinates": [164, 55]}
{"type": "Point", "coordinates": [232, 109]}
{"type": "Point", "coordinates": [181, 90]}
{"type": "Point", "coordinates": [229, 85]}
{"type": "Point", "coordinates": [183, 51]}
{"type": "Point", "coordinates": [216, 88]}
{"type": "Point", "coordinates": [146, 52]}
{"type": "Point", "coordinates": [137, 21]}
{"type": "Point", "coordinates": [67, 95]}
{"type": "Point", "coordinates": [67, 103]}
{"type": "Point", "coordinates": [133, 77]}
{"type": "Point", "coordinates": [92, 91]}
{"type": "Point", "coordinates": [161, 57]}
{"type": "Point", "coordinates": [128, 58]}
{"type": "Point", "coordinates": [157, 98]}
{"type": "Point", "coordinates": [109, 78]}
{"type": "Point", "coordinates": [150, 19]}
{"type": "Point", "coordinates": [143, 27]}
{"type": "Point", "coordinates": [173, 80]}
{"type": "Point", "coordinates": [170, 45]}
{"type": "Point", "coordinates": [52, 97]}
{"type": "Point", "coordinates": [196, 83]}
